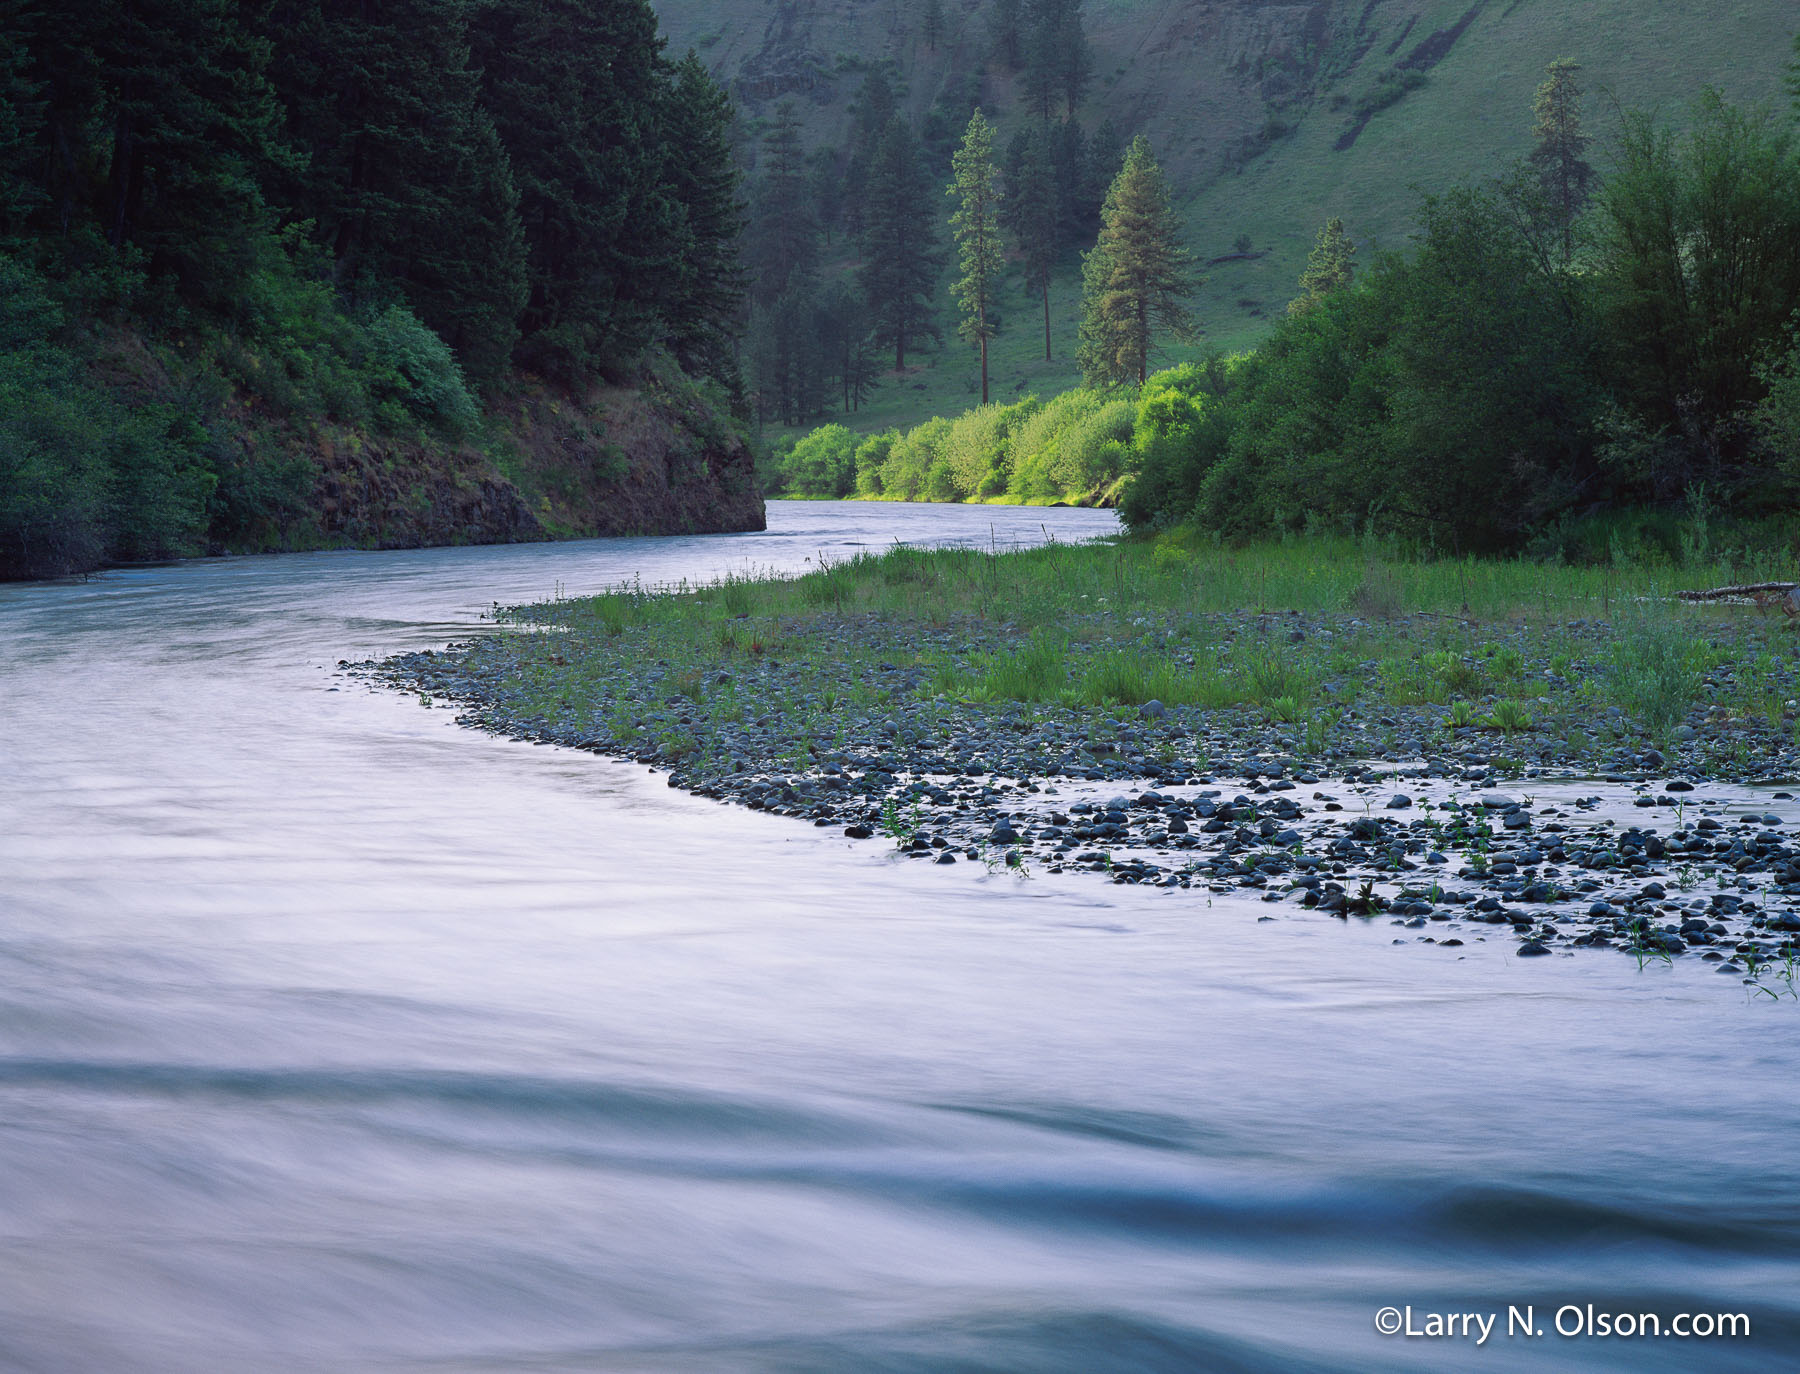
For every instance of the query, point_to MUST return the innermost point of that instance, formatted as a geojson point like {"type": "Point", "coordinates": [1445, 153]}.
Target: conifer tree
{"type": "Point", "coordinates": [1560, 147]}
{"type": "Point", "coordinates": [933, 27]}
{"type": "Point", "coordinates": [1033, 215]}
{"type": "Point", "coordinates": [1006, 32]}
{"type": "Point", "coordinates": [899, 243]}
{"type": "Point", "coordinates": [403, 173]}
{"type": "Point", "coordinates": [977, 227]}
{"type": "Point", "coordinates": [709, 288]}
{"type": "Point", "coordinates": [1135, 277]}
{"type": "Point", "coordinates": [784, 251]}
{"type": "Point", "coordinates": [158, 128]}
{"type": "Point", "coordinates": [584, 135]}
{"type": "Point", "coordinates": [21, 113]}
{"type": "Point", "coordinates": [1058, 63]}
{"type": "Point", "coordinates": [1329, 266]}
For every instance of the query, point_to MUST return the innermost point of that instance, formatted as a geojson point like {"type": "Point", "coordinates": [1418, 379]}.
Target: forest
{"type": "Point", "coordinates": [1564, 337]}
{"type": "Point", "coordinates": [234, 235]}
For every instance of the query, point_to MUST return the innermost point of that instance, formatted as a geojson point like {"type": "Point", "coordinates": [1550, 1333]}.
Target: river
{"type": "Point", "coordinates": [336, 1037]}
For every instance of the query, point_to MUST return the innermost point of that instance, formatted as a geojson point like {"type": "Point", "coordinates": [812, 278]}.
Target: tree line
{"type": "Point", "coordinates": [1560, 341]}
{"type": "Point", "coordinates": [376, 208]}
{"type": "Point", "coordinates": [845, 245]}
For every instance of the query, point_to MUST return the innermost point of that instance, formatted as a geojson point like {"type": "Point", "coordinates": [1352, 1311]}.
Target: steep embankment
{"type": "Point", "coordinates": [1269, 115]}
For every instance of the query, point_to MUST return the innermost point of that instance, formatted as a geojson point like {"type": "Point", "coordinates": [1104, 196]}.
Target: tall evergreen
{"type": "Point", "coordinates": [404, 174]}
{"type": "Point", "coordinates": [1006, 32]}
{"type": "Point", "coordinates": [1329, 267]}
{"type": "Point", "coordinates": [157, 128]}
{"type": "Point", "coordinates": [708, 290]}
{"type": "Point", "coordinates": [784, 248]}
{"type": "Point", "coordinates": [932, 28]}
{"type": "Point", "coordinates": [21, 114]}
{"type": "Point", "coordinates": [899, 243]}
{"type": "Point", "coordinates": [977, 227]}
{"type": "Point", "coordinates": [1058, 62]}
{"type": "Point", "coordinates": [602, 224]}
{"type": "Point", "coordinates": [1135, 278]}
{"type": "Point", "coordinates": [1559, 149]}
{"type": "Point", "coordinates": [1035, 220]}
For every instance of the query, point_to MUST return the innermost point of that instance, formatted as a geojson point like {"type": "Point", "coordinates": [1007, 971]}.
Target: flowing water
{"type": "Point", "coordinates": [335, 1037]}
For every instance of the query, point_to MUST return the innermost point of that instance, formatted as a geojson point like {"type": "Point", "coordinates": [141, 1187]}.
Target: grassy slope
{"type": "Point", "coordinates": [1203, 79]}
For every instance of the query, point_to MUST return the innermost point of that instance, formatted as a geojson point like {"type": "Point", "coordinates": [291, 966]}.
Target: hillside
{"type": "Point", "coordinates": [1269, 116]}
{"type": "Point", "coordinates": [316, 272]}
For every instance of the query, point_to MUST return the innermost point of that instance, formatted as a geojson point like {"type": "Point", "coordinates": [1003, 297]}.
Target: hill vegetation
{"type": "Point", "coordinates": [1268, 119]}
{"type": "Point", "coordinates": [314, 271]}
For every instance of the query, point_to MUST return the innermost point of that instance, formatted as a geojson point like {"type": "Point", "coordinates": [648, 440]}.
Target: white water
{"type": "Point", "coordinates": [336, 1037]}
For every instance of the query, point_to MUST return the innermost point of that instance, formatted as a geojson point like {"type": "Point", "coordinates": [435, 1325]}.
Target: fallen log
{"type": "Point", "coordinates": [1765, 596]}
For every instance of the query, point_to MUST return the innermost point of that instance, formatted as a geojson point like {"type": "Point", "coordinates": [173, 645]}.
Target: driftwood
{"type": "Point", "coordinates": [1765, 596]}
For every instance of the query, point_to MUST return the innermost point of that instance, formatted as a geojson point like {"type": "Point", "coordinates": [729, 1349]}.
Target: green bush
{"type": "Point", "coordinates": [822, 463]}
{"type": "Point", "coordinates": [871, 453]}
{"type": "Point", "coordinates": [978, 449]}
{"type": "Point", "coordinates": [914, 469]}
{"type": "Point", "coordinates": [1072, 445]}
{"type": "Point", "coordinates": [85, 477]}
{"type": "Point", "coordinates": [414, 374]}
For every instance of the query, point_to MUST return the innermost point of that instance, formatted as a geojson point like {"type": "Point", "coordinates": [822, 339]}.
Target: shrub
{"type": "Point", "coordinates": [414, 370]}
{"type": "Point", "coordinates": [914, 469]}
{"type": "Point", "coordinates": [871, 453]}
{"type": "Point", "coordinates": [978, 449]}
{"type": "Point", "coordinates": [822, 464]}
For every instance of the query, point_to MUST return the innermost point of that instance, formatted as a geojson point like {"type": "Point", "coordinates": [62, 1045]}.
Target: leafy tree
{"type": "Point", "coordinates": [1135, 277]}
{"type": "Point", "coordinates": [1559, 148]}
{"type": "Point", "coordinates": [1033, 216]}
{"type": "Point", "coordinates": [1699, 268]}
{"type": "Point", "coordinates": [977, 227]}
{"type": "Point", "coordinates": [1329, 267]}
{"type": "Point", "coordinates": [899, 243]}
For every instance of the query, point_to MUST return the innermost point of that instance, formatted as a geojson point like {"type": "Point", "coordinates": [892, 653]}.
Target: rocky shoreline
{"type": "Point", "coordinates": [1453, 833]}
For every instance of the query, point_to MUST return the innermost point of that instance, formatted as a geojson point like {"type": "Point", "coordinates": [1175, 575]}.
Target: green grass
{"type": "Point", "coordinates": [1573, 660]}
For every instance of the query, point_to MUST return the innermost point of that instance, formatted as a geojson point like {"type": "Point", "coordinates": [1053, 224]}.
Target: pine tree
{"type": "Point", "coordinates": [1006, 33]}
{"type": "Point", "coordinates": [1560, 147]}
{"type": "Point", "coordinates": [977, 226]}
{"type": "Point", "coordinates": [784, 248]}
{"type": "Point", "coordinates": [1035, 220]}
{"type": "Point", "coordinates": [709, 289]}
{"type": "Point", "coordinates": [1135, 277]}
{"type": "Point", "coordinates": [1329, 266]}
{"type": "Point", "coordinates": [21, 115]}
{"type": "Point", "coordinates": [899, 243]}
{"type": "Point", "coordinates": [1793, 75]}
{"type": "Point", "coordinates": [404, 173]}
{"type": "Point", "coordinates": [584, 135]}
{"type": "Point", "coordinates": [158, 127]}
{"type": "Point", "coordinates": [933, 27]}
{"type": "Point", "coordinates": [1042, 79]}
{"type": "Point", "coordinates": [1077, 201]}
{"type": "Point", "coordinates": [1058, 62]}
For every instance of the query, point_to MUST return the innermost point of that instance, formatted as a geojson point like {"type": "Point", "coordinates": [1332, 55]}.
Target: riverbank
{"type": "Point", "coordinates": [1457, 747]}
